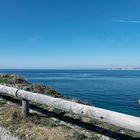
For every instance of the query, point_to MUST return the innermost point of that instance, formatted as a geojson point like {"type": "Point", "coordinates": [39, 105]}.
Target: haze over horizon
{"type": "Point", "coordinates": [70, 34]}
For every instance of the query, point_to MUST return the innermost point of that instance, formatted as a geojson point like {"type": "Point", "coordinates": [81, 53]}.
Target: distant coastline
{"type": "Point", "coordinates": [125, 69]}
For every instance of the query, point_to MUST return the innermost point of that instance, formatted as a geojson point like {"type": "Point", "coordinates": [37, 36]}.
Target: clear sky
{"type": "Point", "coordinates": [69, 33]}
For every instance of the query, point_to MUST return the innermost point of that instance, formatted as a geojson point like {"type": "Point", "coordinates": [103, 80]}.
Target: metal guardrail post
{"type": "Point", "coordinates": [25, 107]}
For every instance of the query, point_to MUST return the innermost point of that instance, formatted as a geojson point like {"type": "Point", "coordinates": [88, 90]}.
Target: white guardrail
{"type": "Point", "coordinates": [111, 117]}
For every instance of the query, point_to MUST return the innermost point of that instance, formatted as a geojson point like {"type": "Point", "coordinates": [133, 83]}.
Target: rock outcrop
{"type": "Point", "coordinates": [13, 80]}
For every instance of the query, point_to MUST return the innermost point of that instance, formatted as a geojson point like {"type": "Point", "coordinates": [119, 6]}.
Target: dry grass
{"type": "Point", "coordinates": [30, 127]}
{"type": "Point", "coordinates": [35, 126]}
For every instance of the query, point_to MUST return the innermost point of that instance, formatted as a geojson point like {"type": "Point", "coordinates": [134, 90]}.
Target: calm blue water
{"type": "Point", "coordinates": [114, 90]}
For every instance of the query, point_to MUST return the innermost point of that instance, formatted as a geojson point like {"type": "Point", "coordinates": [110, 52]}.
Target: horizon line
{"type": "Point", "coordinates": [115, 68]}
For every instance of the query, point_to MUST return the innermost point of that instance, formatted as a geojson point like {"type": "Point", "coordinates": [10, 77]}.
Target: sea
{"type": "Point", "coordinates": [109, 89]}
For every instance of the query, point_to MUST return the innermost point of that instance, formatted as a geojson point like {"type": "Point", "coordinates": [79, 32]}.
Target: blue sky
{"type": "Point", "coordinates": [69, 33]}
